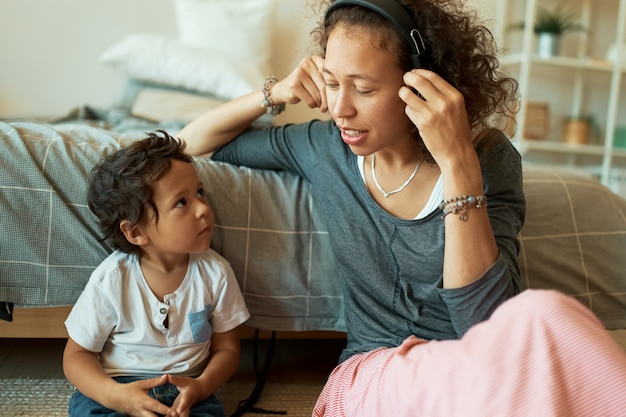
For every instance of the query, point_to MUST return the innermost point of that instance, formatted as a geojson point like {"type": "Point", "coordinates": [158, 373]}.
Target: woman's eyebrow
{"type": "Point", "coordinates": [353, 76]}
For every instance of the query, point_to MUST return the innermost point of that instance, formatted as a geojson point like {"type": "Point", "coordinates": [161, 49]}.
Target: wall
{"type": "Point", "coordinates": [50, 49]}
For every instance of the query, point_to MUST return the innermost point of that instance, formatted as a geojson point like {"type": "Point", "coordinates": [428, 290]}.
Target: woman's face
{"type": "Point", "coordinates": [362, 84]}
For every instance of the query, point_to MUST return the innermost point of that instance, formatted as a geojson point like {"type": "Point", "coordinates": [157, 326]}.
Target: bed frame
{"type": "Point", "coordinates": [47, 322]}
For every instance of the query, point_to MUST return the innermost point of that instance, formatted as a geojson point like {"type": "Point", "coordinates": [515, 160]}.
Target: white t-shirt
{"type": "Point", "coordinates": [119, 316]}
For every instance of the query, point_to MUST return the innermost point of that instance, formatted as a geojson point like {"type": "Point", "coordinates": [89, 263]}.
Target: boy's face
{"type": "Point", "coordinates": [185, 220]}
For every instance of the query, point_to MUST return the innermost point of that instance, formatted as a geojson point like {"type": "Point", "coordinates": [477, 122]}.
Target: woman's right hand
{"type": "Point", "coordinates": [224, 123]}
{"type": "Point", "coordinates": [304, 84]}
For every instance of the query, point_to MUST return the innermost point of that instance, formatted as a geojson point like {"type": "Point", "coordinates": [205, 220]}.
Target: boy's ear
{"type": "Point", "coordinates": [134, 234]}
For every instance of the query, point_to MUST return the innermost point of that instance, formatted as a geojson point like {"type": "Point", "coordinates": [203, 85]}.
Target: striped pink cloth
{"type": "Point", "coordinates": [540, 354]}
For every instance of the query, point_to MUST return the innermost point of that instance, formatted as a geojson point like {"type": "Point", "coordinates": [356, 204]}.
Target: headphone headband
{"type": "Point", "coordinates": [393, 11]}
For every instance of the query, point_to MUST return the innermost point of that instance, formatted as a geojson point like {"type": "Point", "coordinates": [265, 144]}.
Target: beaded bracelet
{"type": "Point", "coordinates": [268, 103]}
{"type": "Point", "coordinates": [461, 204]}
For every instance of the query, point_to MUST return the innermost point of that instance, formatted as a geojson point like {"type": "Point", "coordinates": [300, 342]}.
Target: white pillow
{"type": "Point", "coordinates": [159, 104]}
{"type": "Point", "coordinates": [239, 30]}
{"type": "Point", "coordinates": [161, 60]}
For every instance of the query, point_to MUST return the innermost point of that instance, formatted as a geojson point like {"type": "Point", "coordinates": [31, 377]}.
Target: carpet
{"type": "Point", "coordinates": [49, 397]}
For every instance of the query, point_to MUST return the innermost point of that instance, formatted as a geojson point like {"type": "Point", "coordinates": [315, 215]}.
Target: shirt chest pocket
{"type": "Point", "coordinates": [200, 324]}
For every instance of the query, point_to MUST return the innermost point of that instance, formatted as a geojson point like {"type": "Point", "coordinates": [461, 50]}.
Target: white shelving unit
{"type": "Point", "coordinates": [579, 81]}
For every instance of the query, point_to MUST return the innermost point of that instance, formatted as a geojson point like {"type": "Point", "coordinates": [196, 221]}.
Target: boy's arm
{"type": "Point", "coordinates": [82, 368]}
{"type": "Point", "coordinates": [222, 364]}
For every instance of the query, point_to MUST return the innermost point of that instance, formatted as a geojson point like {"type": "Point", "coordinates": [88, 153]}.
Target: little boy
{"type": "Point", "coordinates": [155, 330]}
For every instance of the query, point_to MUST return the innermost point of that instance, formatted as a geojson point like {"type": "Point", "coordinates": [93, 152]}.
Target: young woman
{"type": "Point", "coordinates": [423, 203]}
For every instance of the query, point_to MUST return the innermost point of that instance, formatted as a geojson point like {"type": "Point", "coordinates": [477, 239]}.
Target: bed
{"type": "Point", "coordinates": [267, 224]}
{"type": "Point", "coordinates": [269, 228]}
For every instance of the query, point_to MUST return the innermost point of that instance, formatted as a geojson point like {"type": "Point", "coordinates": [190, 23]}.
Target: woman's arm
{"type": "Point", "coordinates": [221, 125]}
{"type": "Point", "coordinates": [82, 368]}
{"type": "Point", "coordinates": [470, 245]}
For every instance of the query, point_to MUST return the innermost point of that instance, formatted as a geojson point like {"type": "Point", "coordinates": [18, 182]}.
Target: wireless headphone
{"type": "Point", "coordinates": [393, 11]}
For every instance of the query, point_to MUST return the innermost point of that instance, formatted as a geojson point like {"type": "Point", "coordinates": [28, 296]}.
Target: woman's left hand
{"type": "Point", "coordinates": [440, 114]}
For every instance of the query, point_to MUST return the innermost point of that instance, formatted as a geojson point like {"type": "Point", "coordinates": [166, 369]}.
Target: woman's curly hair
{"type": "Point", "coordinates": [121, 184]}
{"type": "Point", "coordinates": [459, 48]}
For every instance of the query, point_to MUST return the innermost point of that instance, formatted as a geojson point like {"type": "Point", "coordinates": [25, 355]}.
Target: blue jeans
{"type": "Point", "coordinates": [83, 406]}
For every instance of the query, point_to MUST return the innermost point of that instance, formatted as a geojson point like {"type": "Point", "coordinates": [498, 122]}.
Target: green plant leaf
{"type": "Point", "coordinates": [557, 21]}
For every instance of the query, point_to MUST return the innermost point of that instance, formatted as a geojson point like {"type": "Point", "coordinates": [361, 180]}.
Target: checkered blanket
{"type": "Point", "coordinates": [270, 230]}
{"type": "Point", "coordinates": [267, 226]}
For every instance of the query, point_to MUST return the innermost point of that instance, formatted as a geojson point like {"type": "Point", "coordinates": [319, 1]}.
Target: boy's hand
{"type": "Point", "coordinates": [134, 401]}
{"type": "Point", "coordinates": [190, 391]}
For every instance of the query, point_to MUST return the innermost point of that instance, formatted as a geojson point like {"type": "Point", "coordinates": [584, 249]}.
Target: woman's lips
{"type": "Point", "coordinates": [352, 137]}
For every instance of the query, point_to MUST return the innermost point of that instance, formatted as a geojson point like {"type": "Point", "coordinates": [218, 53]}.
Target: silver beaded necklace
{"type": "Point", "coordinates": [397, 190]}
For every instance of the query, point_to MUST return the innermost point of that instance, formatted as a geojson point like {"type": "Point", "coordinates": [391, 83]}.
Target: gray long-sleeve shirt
{"type": "Point", "coordinates": [392, 268]}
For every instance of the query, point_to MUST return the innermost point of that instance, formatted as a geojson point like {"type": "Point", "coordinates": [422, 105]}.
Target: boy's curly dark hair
{"type": "Point", "coordinates": [121, 184]}
{"type": "Point", "coordinates": [458, 48]}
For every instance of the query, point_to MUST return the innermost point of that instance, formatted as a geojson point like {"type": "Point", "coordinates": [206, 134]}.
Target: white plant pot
{"type": "Point", "coordinates": [548, 45]}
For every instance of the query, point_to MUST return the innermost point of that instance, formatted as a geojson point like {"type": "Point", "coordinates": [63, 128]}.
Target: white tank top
{"type": "Point", "coordinates": [436, 197]}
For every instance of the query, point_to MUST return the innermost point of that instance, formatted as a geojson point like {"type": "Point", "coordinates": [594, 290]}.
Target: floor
{"type": "Point", "coordinates": [294, 360]}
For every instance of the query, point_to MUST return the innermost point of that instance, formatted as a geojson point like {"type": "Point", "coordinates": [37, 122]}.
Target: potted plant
{"type": "Point", "coordinates": [549, 26]}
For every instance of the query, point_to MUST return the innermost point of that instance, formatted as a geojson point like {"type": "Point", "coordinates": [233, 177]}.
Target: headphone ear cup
{"type": "Point", "coordinates": [416, 61]}
{"type": "Point", "coordinates": [420, 47]}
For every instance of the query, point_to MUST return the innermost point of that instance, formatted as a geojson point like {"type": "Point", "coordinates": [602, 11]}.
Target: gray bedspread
{"type": "Point", "coordinates": [267, 227]}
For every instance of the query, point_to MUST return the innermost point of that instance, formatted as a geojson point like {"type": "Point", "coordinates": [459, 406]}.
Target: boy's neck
{"type": "Point", "coordinates": [164, 274]}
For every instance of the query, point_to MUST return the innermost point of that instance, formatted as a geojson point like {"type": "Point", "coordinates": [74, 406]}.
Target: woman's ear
{"type": "Point", "coordinates": [134, 234]}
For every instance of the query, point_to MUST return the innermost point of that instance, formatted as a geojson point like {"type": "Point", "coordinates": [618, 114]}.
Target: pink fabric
{"type": "Point", "coordinates": [540, 354]}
